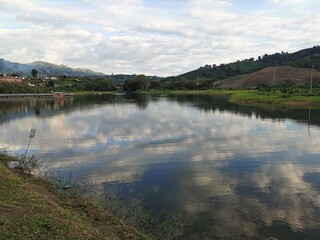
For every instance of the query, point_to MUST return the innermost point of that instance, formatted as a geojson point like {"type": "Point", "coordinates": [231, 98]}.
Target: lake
{"type": "Point", "coordinates": [234, 172]}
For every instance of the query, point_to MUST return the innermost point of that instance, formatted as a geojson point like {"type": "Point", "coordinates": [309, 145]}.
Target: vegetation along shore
{"type": "Point", "coordinates": [291, 79]}
{"type": "Point", "coordinates": [256, 97]}
{"type": "Point", "coordinates": [33, 208]}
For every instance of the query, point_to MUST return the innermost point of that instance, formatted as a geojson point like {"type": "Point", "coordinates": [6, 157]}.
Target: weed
{"type": "Point", "coordinates": [63, 183]}
{"type": "Point", "coordinates": [31, 164]}
{"type": "Point", "coordinates": [162, 226]}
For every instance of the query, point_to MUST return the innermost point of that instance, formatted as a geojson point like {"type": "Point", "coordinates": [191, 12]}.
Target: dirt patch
{"type": "Point", "coordinates": [269, 76]}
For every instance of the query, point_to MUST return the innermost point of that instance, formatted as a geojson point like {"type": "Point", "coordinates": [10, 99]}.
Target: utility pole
{"type": "Point", "coordinates": [274, 76]}
{"type": "Point", "coordinates": [311, 78]}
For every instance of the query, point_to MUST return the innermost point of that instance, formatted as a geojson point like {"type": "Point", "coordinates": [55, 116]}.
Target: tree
{"type": "Point", "coordinates": [136, 83]}
{"type": "Point", "coordinates": [155, 85]}
{"type": "Point", "coordinates": [34, 73]}
{"type": "Point", "coordinates": [104, 84]}
{"type": "Point", "coordinates": [51, 83]}
{"type": "Point", "coordinates": [14, 75]}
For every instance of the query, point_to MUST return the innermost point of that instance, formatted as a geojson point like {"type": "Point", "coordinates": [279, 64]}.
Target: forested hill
{"type": "Point", "coordinates": [301, 59]}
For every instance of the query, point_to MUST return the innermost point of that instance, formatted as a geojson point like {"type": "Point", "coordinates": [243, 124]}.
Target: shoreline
{"type": "Point", "coordinates": [252, 97]}
{"type": "Point", "coordinates": [240, 96]}
{"type": "Point", "coordinates": [33, 208]}
{"type": "Point", "coordinates": [36, 95]}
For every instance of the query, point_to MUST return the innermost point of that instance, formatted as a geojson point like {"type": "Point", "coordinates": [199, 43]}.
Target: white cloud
{"type": "Point", "coordinates": [289, 2]}
{"type": "Point", "coordinates": [136, 36]}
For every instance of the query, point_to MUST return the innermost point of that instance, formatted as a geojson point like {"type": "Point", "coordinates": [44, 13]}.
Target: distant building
{"type": "Point", "coordinates": [4, 78]}
{"type": "Point", "coordinates": [57, 95]}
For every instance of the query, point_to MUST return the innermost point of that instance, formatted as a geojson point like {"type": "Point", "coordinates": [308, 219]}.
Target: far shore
{"type": "Point", "coordinates": [302, 99]}
{"type": "Point", "coordinates": [254, 97]}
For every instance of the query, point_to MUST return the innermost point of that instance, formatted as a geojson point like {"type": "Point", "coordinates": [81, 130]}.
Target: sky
{"type": "Point", "coordinates": [149, 37]}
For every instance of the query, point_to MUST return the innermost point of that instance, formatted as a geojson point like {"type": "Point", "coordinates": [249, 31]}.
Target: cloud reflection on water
{"type": "Point", "coordinates": [242, 173]}
{"type": "Point", "coordinates": [244, 202]}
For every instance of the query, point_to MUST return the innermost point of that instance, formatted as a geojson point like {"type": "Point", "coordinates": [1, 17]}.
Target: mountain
{"type": "Point", "coordinates": [49, 69]}
{"type": "Point", "coordinates": [44, 68]}
{"type": "Point", "coordinates": [269, 76]}
{"type": "Point", "coordinates": [12, 67]}
{"type": "Point", "coordinates": [301, 59]}
{"type": "Point", "coordinates": [58, 70]}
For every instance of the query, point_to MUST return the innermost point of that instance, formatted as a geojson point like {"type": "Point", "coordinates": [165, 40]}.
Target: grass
{"type": "Point", "coordinates": [90, 92]}
{"type": "Point", "coordinates": [254, 97]}
{"type": "Point", "coordinates": [183, 92]}
{"type": "Point", "coordinates": [32, 208]}
{"type": "Point", "coordinates": [243, 97]}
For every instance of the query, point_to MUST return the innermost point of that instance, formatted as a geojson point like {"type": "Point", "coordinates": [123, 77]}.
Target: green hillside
{"type": "Point", "coordinates": [301, 59]}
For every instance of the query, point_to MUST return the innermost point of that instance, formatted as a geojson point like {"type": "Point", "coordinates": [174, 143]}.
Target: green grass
{"type": "Point", "coordinates": [90, 92]}
{"type": "Point", "coordinates": [182, 92]}
{"type": "Point", "coordinates": [254, 97]}
{"type": "Point", "coordinates": [32, 208]}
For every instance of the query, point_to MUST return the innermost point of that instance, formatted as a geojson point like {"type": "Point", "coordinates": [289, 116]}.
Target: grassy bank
{"type": "Point", "coordinates": [32, 208]}
{"type": "Point", "coordinates": [90, 92]}
{"type": "Point", "coordinates": [254, 97]}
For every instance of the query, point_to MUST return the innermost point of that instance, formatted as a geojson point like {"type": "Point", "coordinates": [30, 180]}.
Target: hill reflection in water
{"type": "Point", "coordinates": [233, 170]}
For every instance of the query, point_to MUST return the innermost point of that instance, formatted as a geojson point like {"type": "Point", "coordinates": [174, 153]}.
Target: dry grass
{"type": "Point", "coordinates": [298, 76]}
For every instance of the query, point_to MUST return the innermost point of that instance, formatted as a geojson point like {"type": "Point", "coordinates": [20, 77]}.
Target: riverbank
{"type": "Point", "coordinates": [32, 208]}
{"type": "Point", "coordinates": [254, 97]}
{"type": "Point", "coordinates": [79, 93]}
{"type": "Point", "coordinates": [54, 95]}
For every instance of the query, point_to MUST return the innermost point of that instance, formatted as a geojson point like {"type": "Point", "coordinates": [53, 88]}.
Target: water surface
{"type": "Point", "coordinates": [236, 172]}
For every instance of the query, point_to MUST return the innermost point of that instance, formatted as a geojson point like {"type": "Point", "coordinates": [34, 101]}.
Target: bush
{"type": "Point", "coordinates": [30, 164]}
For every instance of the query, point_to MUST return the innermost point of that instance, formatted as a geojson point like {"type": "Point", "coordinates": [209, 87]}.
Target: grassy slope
{"type": "Point", "coordinates": [301, 59]}
{"type": "Point", "coordinates": [298, 76]}
{"type": "Point", "coordinates": [31, 208]}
